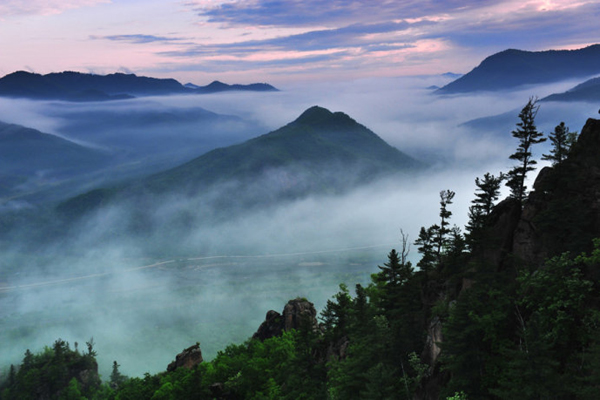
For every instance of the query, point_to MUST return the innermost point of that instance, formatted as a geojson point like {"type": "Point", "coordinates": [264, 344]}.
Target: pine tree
{"type": "Point", "coordinates": [441, 239]}
{"type": "Point", "coordinates": [561, 140]}
{"type": "Point", "coordinates": [116, 377]}
{"type": "Point", "coordinates": [397, 271]}
{"type": "Point", "coordinates": [528, 135]}
{"type": "Point", "coordinates": [488, 191]}
{"type": "Point", "coordinates": [425, 242]}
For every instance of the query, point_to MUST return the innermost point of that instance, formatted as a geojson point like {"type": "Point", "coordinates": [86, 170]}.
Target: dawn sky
{"type": "Point", "coordinates": [276, 41]}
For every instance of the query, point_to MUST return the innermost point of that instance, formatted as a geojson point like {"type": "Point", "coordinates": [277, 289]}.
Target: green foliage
{"type": "Point", "coordinates": [54, 373]}
{"type": "Point", "coordinates": [425, 241]}
{"type": "Point", "coordinates": [479, 323]}
{"type": "Point", "coordinates": [116, 377]}
{"type": "Point", "coordinates": [528, 338]}
{"type": "Point", "coordinates": [435, 241]}
{"type": "Point", "coordinates": [530, 332]}
{"type": "Point", "coordinates": [72, 392]}
{"type": "Point", "coordinates": [458, 396]}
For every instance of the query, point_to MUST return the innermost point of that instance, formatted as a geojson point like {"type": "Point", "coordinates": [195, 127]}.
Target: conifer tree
{"type": "Point", "coordinates": [425, 242]}
{"type": "Point", "coordinates": [433, 241]}
{"type": "Point", "coordinates": [561, 140]}
{"type": "Point", "coordinates": [528, 135]}
{"type": "Point", "coordinates": [116, 377]}
{"type": "Point", "coordinates": [397, 271]}
{"type": "Point", "coordinates": [441, 239]}
{"type": "Point", "coordinates": [488, 191]}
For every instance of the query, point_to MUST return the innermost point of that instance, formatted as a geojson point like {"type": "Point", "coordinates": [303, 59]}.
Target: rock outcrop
{"type": "Point", "coordinates": [188, 358]}
{"type": "Point", "coordinates": [562, 213]}
{"type": "Point", "coordinates": [296, 313]}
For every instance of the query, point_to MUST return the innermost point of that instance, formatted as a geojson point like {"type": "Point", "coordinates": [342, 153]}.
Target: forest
{"type": "Point", "coordinates": [507, 309]}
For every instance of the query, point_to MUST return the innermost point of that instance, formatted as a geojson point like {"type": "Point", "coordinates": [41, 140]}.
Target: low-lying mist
{"type": "Point", "coordinates": [146, 294]}
{"type": "Point", "coordinates": [146, 297]}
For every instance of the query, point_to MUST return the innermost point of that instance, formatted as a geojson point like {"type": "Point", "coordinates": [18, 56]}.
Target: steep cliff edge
{"type": "Point", "coordinates": [562, 213]}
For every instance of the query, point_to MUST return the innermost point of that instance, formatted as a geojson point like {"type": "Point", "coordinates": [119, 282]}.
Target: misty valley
{"type": "Point", "coordinates": [143, 216]}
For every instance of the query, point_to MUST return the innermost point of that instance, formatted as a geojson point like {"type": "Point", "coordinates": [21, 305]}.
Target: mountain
{"type": "Point", "coordinates": [318, 149]}
{"type": "Point", "coordinates": [217, 86]}
{"type": "Point", "coordinates": [76, 86]}
{"type": "Point", "coordinates": [516, 312]}
{"type": "Point", "coordinates": [586, 91]}
{"type": "Point", "coordinates": [25, 151]}
{"type": "Point", "coordinates": [30, 159]}
{"type": "Point", "coordinates": [319, 152]}
{"type": "Point", "coordinates": [512, 68]}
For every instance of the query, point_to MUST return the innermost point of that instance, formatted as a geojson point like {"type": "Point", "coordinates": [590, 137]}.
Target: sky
{"type": "Point", "coordinates": [280, 41]}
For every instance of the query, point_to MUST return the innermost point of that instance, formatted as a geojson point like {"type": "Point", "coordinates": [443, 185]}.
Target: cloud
{"type": "Point", "coordinates": [43, 7]}
{"type": "Point", "coordinates": [114, 294]}
{"type": "Point", "coordinates": [295, 37]}
{"type": "Point", "coordinates": [533, 25]}
{"type": "Point", "coordinates": [138, 38]}
{"type": "Point", "coordinates": [317, 12]}
{"type": "Point", "coordinates": [325, 48]}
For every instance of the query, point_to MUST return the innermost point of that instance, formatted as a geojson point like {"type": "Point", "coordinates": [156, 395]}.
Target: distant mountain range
{"type": "Point", "coordinates": [76, 86]}
{"type": "Point", "coordinates": [513, 68]}
{"type": "Point", "coordinates": [319, 152]}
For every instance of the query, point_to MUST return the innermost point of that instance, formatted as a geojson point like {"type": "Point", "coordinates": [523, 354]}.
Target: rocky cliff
{"type": "Point", "coordinates": [561, 214]}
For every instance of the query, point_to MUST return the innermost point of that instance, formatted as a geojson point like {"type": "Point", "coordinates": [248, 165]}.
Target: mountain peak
{"type": "Point", "coordinates": [317, 116]}
{"type": "Point", "coordinates": [512, 68]}
{"type": "Point", "coordinates": [313, 113]}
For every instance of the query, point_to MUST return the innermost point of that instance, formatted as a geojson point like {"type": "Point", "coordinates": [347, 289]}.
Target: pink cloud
{"type": "Point", "coordinates": [43, 7]}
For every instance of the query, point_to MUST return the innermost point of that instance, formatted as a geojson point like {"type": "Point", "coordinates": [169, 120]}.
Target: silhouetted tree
{"type": "Point", "coordinates": [487, 192]}
{"type": "Point", "coordinates": [116, 377]}
{"type": "Point", "coordinates": [561, 140]}
{"type": "Point", "coordinates": [425, 241]}
{"type": "Point", "coordinates": [441, 238]}
{"type": "Point", "coordinates": [528, 135]}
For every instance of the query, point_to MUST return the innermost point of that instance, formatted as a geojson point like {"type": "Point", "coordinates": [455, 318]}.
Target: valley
{"type": "Point", "coordinates": [186, 218]}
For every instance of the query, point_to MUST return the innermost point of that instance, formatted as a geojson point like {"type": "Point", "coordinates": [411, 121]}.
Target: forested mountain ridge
{"type": "Point", "coordinates": [512, 68]}
{"type": "Point", "coordinates": [319, 152]}
{"type": "Point", "coordinates": [316, 140]}
{"type": "Point", "coordinates": [77, 86]}
{"type": "Point", "coordinates": [509, 311]}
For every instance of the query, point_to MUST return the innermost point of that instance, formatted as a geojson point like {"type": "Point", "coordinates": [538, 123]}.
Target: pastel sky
{"type": "Point", "coordinates": [278, 41]}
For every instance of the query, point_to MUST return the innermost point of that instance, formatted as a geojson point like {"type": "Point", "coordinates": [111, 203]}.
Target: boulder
{"type": "Point", "coordinates": [188, 358]}
{"type": "Point", "coordinates": [295, 313]}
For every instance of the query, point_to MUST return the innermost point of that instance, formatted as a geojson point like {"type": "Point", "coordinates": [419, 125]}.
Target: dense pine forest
{"type": "Point", "coordinates": [506, 308]}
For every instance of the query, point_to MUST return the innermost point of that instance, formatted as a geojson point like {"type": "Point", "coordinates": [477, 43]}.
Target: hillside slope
{"type": "Point", "coordinates": [587, 91]}
{"type": "Point", "coordinates": [318, 149]}
{"type": "Point", "coordinates": [319, 153]}
{"type": "Point", "coordinates": [28, 155]}
{"type": "Point", "coordinates": [512, 68]}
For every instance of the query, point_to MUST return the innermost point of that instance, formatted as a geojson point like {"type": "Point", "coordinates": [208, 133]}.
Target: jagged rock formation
{"type": "Point", "coordinates": [562, 213]}
{"type": "Point", "coordinates": [188, 358]}
{"type": "Point", "coordinates": [295, 313]}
